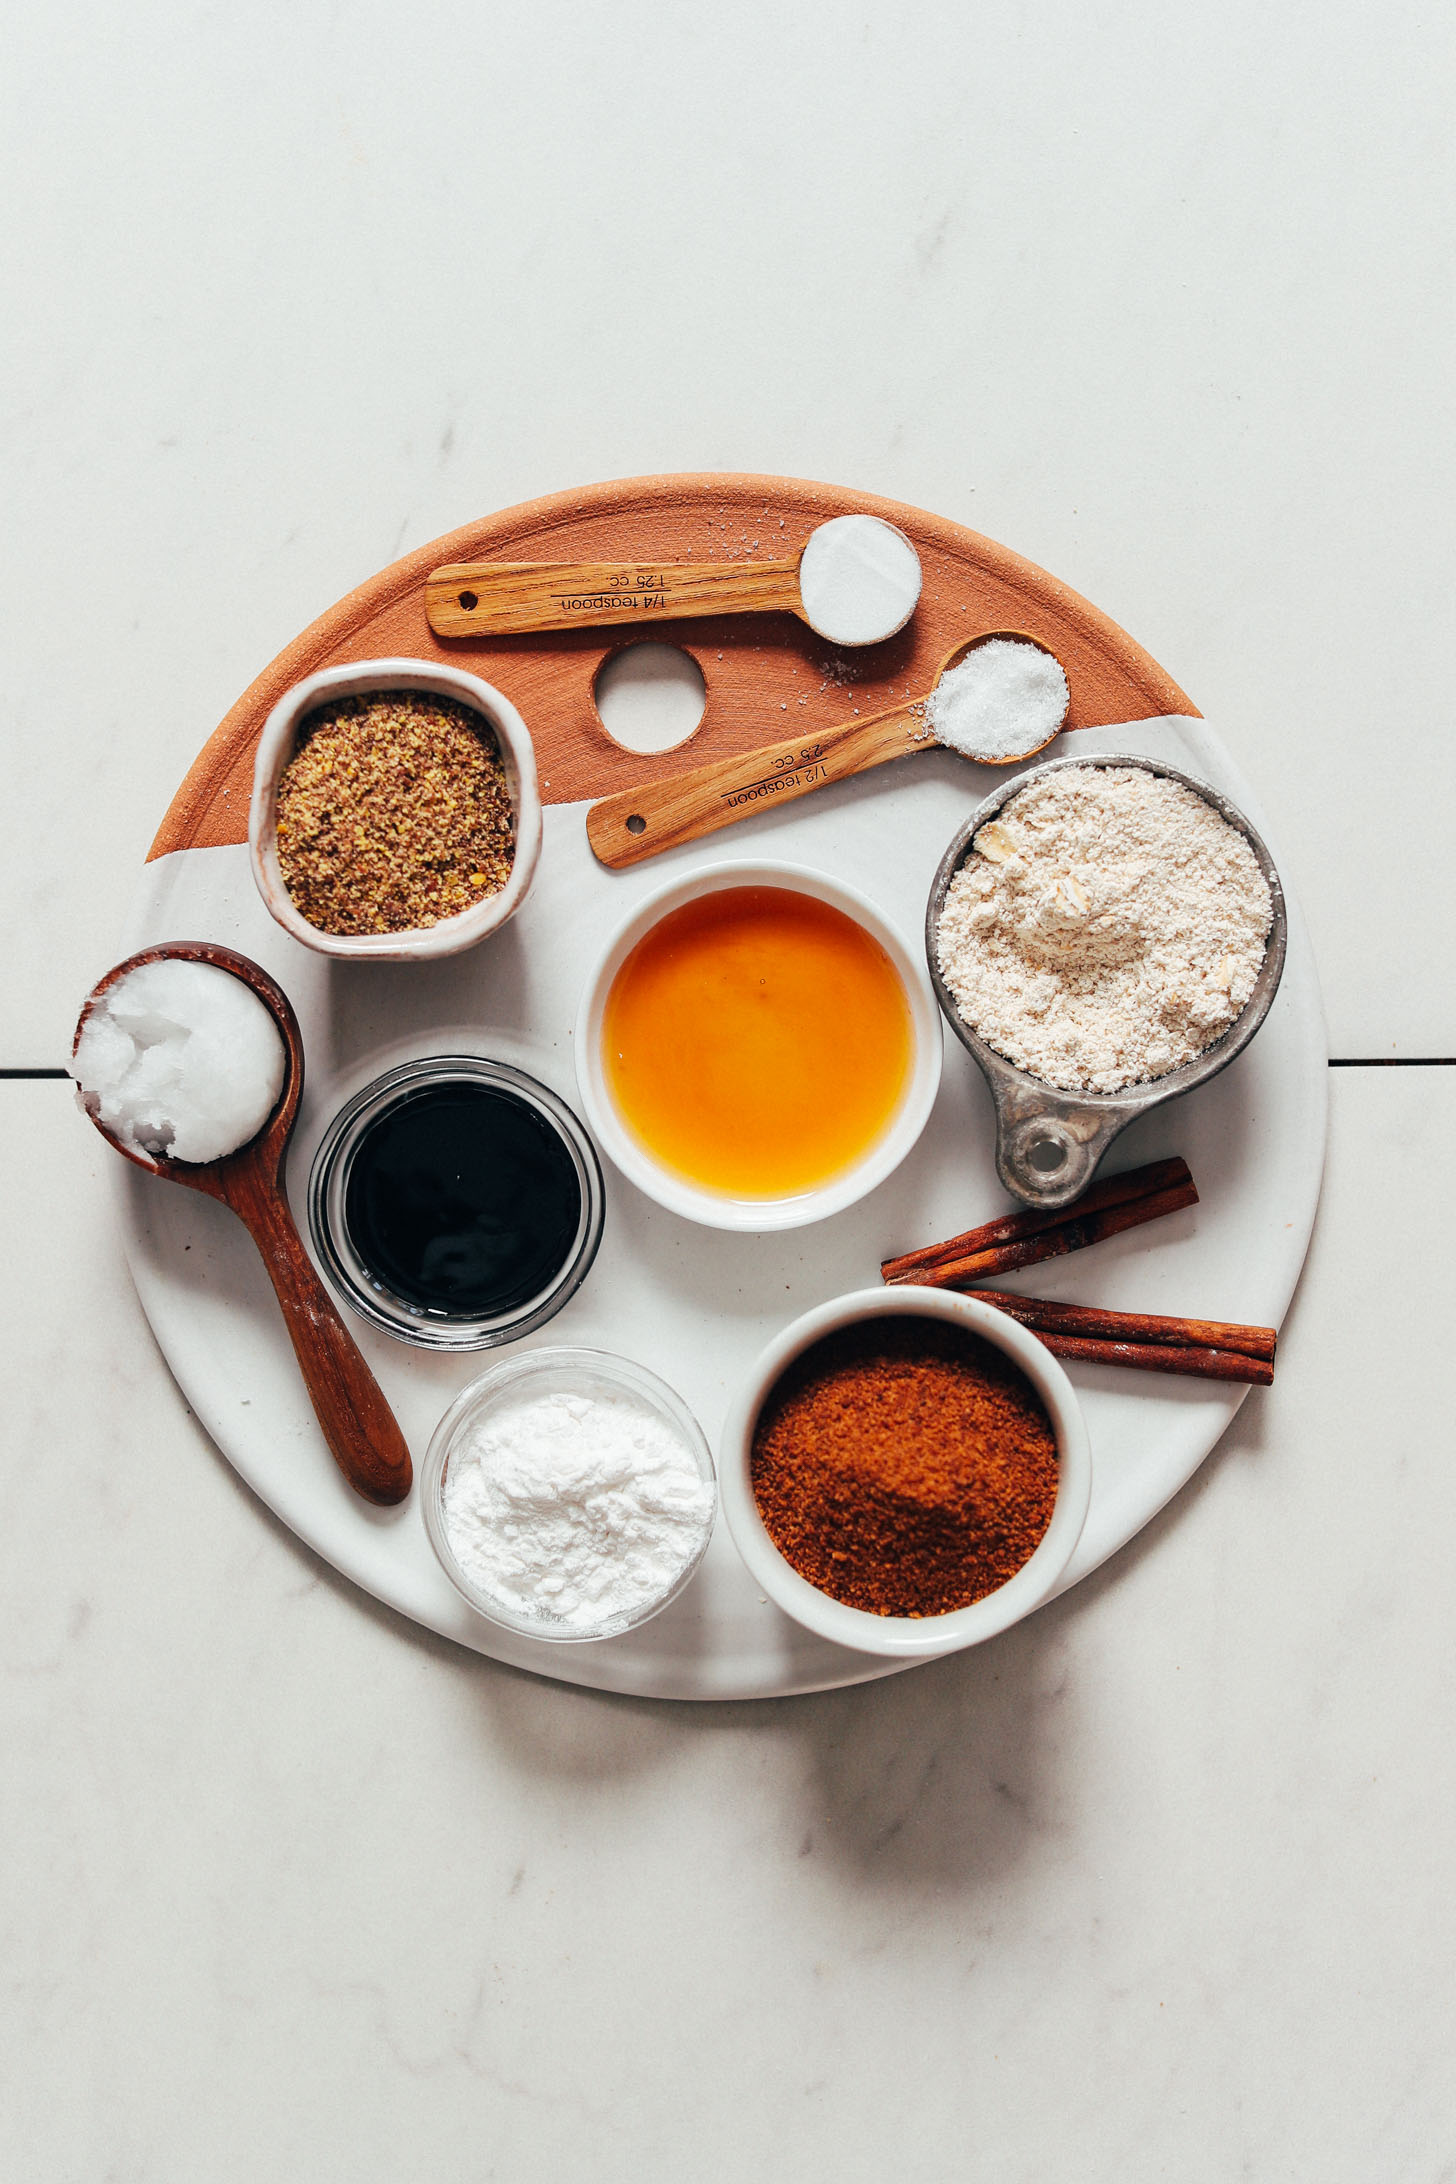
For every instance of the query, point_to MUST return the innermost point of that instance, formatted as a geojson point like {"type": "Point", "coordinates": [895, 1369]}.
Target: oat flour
{"type": "Point", "coordinates": [1107, 927]}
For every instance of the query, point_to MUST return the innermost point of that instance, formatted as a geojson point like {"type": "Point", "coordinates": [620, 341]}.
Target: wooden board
{"type": "Point", "coordinates": [767, 675]}
{"type": "Point", "coordinates": [698, 1305]}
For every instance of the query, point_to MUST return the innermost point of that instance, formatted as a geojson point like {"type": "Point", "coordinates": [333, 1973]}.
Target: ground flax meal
{"type": "Point", "coordinates": [905, 1467]}
{"type": "Point", "coordinates": [393, 813]}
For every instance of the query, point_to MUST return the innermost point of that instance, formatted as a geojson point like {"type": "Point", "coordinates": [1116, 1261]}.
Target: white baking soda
{"type": "Point", "coordinates": [579, 1509]}
{"type": "Point", "coordinates": [180, 1060]}
{"type": "Point", "coordinates": [859, 580]}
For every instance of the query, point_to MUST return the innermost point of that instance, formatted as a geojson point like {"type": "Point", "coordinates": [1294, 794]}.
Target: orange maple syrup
{"type": "Point", "coordinates": [757, 1042]}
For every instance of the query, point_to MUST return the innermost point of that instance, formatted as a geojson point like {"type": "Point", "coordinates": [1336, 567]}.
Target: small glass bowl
{"type": "Point", "coordinates": [361, 1287]}
{"type": "Point", "coordinates": [582, 1372]}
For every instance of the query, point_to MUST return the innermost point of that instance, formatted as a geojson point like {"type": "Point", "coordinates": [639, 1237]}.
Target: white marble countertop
{"type": "Point", "coordinates": [1155, 1887]}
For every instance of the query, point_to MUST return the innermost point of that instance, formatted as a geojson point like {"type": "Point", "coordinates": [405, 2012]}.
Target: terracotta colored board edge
{"type": "Point", "coordinates": [211, 807]}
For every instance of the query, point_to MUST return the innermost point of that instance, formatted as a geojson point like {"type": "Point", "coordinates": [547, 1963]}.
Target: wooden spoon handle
{"type": "Point", "coordinates": [639, 822]}
{"type": "Point", "coordinates": [493, 598]}
{"type": "Point", "coordinates": [358, 1424]}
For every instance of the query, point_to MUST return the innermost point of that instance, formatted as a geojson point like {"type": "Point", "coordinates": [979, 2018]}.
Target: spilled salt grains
{"type": "Point", "coordinates": [1005, 699]}
{"type": "Point", "coordinates": [905, 1467]}
{"type": "Point", "coordinates": [180, 1060]}
{"type": "Point", "coordinates": [393, 813]}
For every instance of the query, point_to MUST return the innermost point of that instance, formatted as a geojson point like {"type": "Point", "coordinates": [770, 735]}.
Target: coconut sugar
{"type": "Point", "coordinates": [1107, 927]}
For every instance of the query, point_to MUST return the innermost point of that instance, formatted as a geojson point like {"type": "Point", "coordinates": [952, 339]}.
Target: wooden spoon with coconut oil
{"type": "Point", "coordinates": [360, 1428]}
{"type": "Point", "coordinates": [639, 823]}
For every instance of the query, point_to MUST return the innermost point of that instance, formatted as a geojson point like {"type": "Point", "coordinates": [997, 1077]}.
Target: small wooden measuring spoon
{"type": "Point", "coordinates": [496, 598]}
{"type": "Point", "coordinates": [638, 823]}
{"type": "Point", "coordinates": [357, 1422]}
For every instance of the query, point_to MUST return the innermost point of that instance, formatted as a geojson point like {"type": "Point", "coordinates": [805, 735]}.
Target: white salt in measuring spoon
{"type": "Point", "coordinates": [855, 581]}
{"type": "Point", "coordinates": [638, 823]}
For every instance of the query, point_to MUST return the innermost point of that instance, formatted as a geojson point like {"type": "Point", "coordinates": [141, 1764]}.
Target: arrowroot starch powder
{"type": "Point", "coordinates": [580, 1509]}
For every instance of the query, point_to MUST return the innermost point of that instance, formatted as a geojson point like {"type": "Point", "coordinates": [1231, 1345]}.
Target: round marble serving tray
{"type": "Point", "coordinates": [695, 1305]}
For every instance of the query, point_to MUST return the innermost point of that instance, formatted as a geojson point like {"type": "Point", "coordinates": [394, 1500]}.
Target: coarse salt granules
{"type": "Point", "coordinates": [1005, 699]}
{"type": "Point", "coordinates": [1108, 926]}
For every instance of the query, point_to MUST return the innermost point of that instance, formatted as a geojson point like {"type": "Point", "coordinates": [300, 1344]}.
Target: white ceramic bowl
{"type": "Point", "coordinates": [902, 1636]}
{"type": "Point", "coordinates": [719, 1209]}
{"type": "Point", "coordinates": [280, 735]}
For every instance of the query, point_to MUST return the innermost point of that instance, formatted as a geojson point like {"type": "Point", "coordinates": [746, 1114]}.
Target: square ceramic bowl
{"type": "Point", "coordinates": [276, 747]}
{"type": "Point", "coordinates": [718, 1209]}
{"type": "Point", "coordinates": [903, 1637]}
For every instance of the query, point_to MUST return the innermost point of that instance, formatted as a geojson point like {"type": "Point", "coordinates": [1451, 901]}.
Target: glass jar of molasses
{"type": "Point", "coordinates": [456, 1202]}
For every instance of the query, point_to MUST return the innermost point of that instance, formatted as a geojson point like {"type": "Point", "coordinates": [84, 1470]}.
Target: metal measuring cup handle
{"type": "Point", "coordinates": [1049, 1142]}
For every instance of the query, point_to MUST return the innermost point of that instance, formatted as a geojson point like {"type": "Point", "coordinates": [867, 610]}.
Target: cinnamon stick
{"type": "Point", "coordinates": [1152, 1357]}
{"type": "Point", "coordinates": [1024, 1239]}
{"type": "Point", "coordinates": [1151, 1342]}
{"type": "Point", "coordinates": [1099, 1323]}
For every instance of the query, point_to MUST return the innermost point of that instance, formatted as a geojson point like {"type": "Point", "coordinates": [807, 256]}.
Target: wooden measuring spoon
{"type": "Point", "coordinates": [638, 823]}
{"type": "Point", "coordinates": [357, 1422]}
{"type": "Point", "coordinates": [496, 598]}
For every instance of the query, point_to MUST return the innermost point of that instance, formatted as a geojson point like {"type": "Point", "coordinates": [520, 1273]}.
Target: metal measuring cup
{"type": "Point", "coordinates": [1049, 1142]}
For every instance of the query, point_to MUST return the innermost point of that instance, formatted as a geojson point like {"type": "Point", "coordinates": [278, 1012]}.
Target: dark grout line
{"type": "Point", "coordinates": [1337, 1061]}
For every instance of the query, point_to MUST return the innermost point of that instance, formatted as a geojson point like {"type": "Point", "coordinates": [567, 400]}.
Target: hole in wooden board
{"type": "Point", "coordinates": [650, 697]}
{"type": "Point", "coordinates": [636, 824]}
{"type": "Point", "coordinates": [469, 602]}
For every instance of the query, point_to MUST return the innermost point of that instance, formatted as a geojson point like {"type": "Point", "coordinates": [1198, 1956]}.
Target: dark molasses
{"type": "Point", "coordinates": [463, 1200]}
